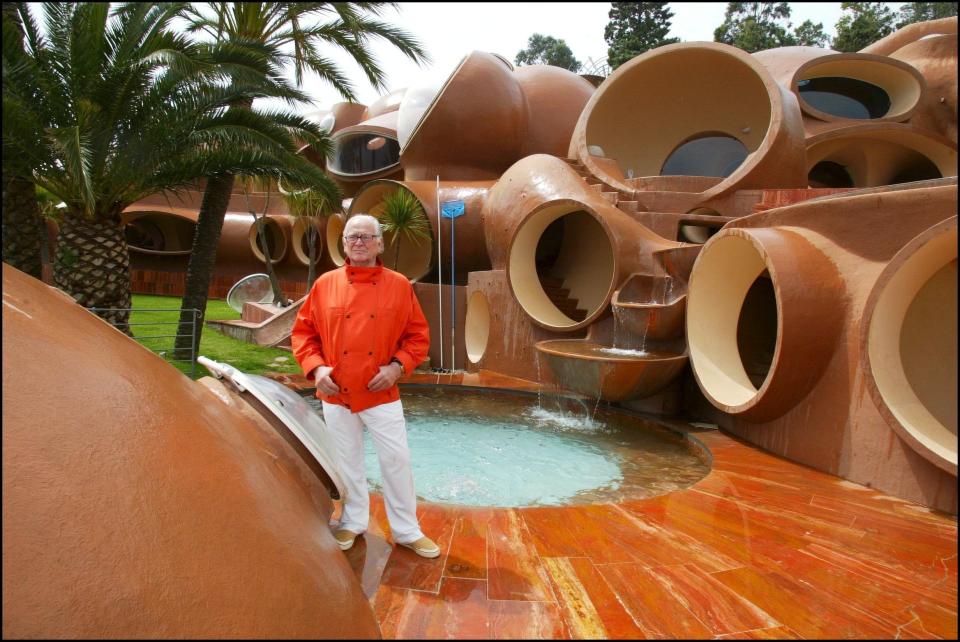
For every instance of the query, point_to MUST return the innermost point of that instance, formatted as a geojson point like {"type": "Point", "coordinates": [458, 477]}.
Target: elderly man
{"type": "Point", "coordinates": [358, 331]}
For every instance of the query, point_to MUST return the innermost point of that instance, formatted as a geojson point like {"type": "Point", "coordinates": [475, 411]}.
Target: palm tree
{"type": "Point", "coordinates": [111, 106]}
{"type": "Point", "coordinates": [22, 223]}
{"type": "Point", "coordinates": [288, 34]}
{"type": "Point", "coordinates": [401, 213]}
{"type": "Point", "coordinates": [312, 205]}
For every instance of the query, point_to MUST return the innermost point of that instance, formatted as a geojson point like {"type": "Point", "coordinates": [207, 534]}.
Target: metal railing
{"type": "Point", "coordinates": [155, 334]}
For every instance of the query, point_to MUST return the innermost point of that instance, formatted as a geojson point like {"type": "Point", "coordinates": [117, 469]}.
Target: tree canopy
{"type": "Point", "coordinates": [862, 24]}
{"type": "Point", "coordinates": [923, 11]}
{"type": "Point", "coordinates": [755, 26]}
{"type": "Point", "coordinates": [547, 50]}
{"type": "Point", "coordinates": [636, 27]}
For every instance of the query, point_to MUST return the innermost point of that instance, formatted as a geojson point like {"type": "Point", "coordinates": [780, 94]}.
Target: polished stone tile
{"type": "Point", "coordinates": [809, 612]}
{"type": "Point", "coordinates": [578, 612]}
{"type": "Point", "coordinates": [468, 547]}
{"type": "Point", "coordinates": [515, 571]}
{"type": "Point", "coordinates": [656, 610]}
{"type": "Point", "coordinates": [519, 620]}
{"type": "Point", "coordinates": [761, 548]}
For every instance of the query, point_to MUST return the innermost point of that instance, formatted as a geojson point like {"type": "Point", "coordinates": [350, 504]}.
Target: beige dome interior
{"type": "Point", "coordinates": [724, 274]}
{"type": "Point", "coordinates": [647, 112]}
{"type": "Point", "coordinates": [584, 264]}
{"type": "Point", "coordinates": [912, 345]}
{"type": "Point", "coordinates": [477, 326]}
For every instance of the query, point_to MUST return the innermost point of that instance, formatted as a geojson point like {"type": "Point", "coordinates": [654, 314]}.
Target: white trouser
{"type": "Point", "coordinates": [389, 431]}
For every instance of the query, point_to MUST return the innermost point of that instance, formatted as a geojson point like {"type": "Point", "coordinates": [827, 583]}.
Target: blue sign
{"type": "Point", "coordinates": [452, 209]}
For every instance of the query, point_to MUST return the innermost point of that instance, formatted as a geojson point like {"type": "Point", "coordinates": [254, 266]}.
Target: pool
{"type": "Point", "coordinates": [482, 447]}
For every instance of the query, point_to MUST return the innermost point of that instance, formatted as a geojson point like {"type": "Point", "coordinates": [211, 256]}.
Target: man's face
{"type": "Point", "coordinates": [360, 253]}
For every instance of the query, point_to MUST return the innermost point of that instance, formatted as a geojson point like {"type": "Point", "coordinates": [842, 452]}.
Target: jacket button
{"type": "Point", "coordinates": [370, 353]}
{"type": "Point", "coordinates": [344, 352]}
{"type": "Point", "coordinates": [371, 316]}
{"type": "Point", "coordinates": [374, 282]}
{"type": "Point", "coordinates": [345, 390]}
{"type": "Point", "coordinates": [348, 316]}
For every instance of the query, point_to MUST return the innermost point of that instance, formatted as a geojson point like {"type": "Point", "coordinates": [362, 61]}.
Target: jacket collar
{"type": "Point", "coordinates": [363, 274]}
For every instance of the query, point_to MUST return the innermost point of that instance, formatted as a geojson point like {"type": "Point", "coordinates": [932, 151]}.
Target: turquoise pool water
{"type": "Point", "coordinates": [492, 448]}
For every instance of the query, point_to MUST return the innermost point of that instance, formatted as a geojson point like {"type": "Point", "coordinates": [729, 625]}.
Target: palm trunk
{"type": "Point", "coordinates": [203, 256]}
{"type": "Point", "coordinates": [93, 266]}
{"type": "Point", "coordinates": [23, 228]}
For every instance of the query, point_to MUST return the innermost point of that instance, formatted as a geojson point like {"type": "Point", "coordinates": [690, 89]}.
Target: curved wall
{"type": "Point", "coordinates": [910, 344]}
{"type": "Point", "coordinates": [653, 104]}
{"type": "Point", "coordinates": [807, 320]}
{"type": "Point", "coordinates": [839, 422]}
{"type": "Point", "coordinates": [486, 116]}
{"type": "Point", "coordinates": [138, 504]}
{"type": "Point", "coordinates": [418, 261]}
{"type": "Point", "coordinates": [562, 242]}
{"type": "Point", "coordinates": [883, 154]}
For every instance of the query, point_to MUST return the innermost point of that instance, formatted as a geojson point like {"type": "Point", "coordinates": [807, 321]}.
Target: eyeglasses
{"type": "Point", "coordinates": [366, 238]}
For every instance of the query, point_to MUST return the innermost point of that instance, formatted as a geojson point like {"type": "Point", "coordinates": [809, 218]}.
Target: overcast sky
{"type": "Point", "coordinates": [450, 30]}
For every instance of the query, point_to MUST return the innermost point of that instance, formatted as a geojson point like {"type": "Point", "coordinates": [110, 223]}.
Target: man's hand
{"type": "Point", "coordinates": [386, 378]}
{"type": "Point", "coordinates": [326, 385]}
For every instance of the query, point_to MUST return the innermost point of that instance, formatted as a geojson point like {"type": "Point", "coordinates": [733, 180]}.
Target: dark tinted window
{"type": "Point", "coordinates": [364, 153]}
{"type": "Point", "coordinates": [845, 97]}
{"type": "Point", "coordinates": [707, 155]}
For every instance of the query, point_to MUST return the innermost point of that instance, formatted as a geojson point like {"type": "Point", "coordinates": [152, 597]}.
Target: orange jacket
{"type": "Point", "coordinates": [356, 319]}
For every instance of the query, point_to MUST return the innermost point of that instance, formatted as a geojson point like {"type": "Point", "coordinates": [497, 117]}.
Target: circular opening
{"type": "Point", "coordinates": [698, 233]}
{"type": "Point", "coordinates": [913, 346]}
{"type": "Point", "coordinates": [160, 233]}
{"type": "Point", "coordinates": [477, 326]}
{"type": "Point", "coordinates": [829, 174]}
{"type": "Point", "coordinates": [757, 329]}
{"type": "Point", "coordinates": [878, 158]}
{"type": "Point", "coordinates": [409, 256]}
{"type": "Point", "coordinates": [858, 87]}
{"type": "Point", "coordinates": [707, 97]}
{"type": "Point", "coordinates": [305, 230]}
{"type": "Point", "coordinates": [723, 277]}
{"type": "Point", "coordinates": [359, 153]}
{"type": "Point", "coordinates": [513, 451]}
{"type": "Point", "coordinates": [276, 240]}
{"type": "Point", "coordinates": [845, 97]}
{"type": "Point", "coordinates": [335, 225]}
{"type": "Point", "coordinates": [561, 266]}
{"type": "Point", "coordinates": [706, 155]}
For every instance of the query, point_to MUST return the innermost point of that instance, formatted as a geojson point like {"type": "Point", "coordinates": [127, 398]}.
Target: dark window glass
{"type": "Point", "coordinates": [706, 155]}
{"type": "Point", "coordinates": [145, 235]}
{"type": "Point", "coordinates": [364, 153]}
{"type": "Point", "coordinates": [845, 97]}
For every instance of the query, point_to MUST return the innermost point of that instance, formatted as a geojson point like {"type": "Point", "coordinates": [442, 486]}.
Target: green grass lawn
{"type": "Point", "coordinates": [159, 316]}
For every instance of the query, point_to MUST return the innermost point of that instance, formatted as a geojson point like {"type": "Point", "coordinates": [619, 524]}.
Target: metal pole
{"type": "Point", "coordinates": [439, 275]}
{"type": "Point", "coordinates": [453, 298]}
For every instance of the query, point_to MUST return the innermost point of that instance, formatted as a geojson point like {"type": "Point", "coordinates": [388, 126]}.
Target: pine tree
{"type": "Point", "coordinates": [634, 28]}
{"type": "Point", "coordinates": [862, 24]}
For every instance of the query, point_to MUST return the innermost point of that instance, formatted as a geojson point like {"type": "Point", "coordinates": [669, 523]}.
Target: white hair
{"type": "Point", "coordinates": [365, 217]}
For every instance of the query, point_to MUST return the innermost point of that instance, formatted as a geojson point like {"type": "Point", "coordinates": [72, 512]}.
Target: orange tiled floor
{"type": "Point", "coordinates": [760, 548]}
